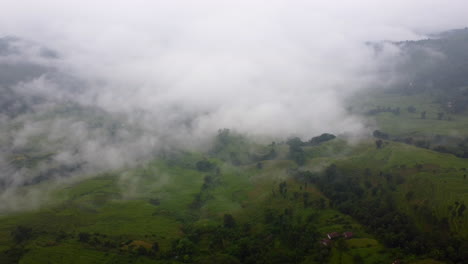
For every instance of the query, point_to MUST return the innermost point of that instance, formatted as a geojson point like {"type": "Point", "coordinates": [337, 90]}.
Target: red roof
{"type": "Point", "coordinates": [333, 235]}
{"type": "Point", "coordinates": [348, 234]}
{"type": "Point", "coordinates": [325, 242]}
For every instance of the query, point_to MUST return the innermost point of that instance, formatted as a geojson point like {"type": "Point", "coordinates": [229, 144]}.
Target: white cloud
{"type": "Point", "coordinates": [183, 69]}
{"type": "Point", "coordinates": [265, 66]}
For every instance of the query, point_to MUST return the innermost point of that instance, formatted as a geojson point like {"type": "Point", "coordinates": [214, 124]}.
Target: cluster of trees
{"type": "Point", "coordinates": [240, 243]}
{"type": "Point", "coordinates": [410, 109]}
{"type": "Point", "coordinates": [205, 165]}
{"type": "Point", "coordinates": [457, 209]}
{"type": "Point", "coordinates": [296, 152]}
{"type": "Point", "coordinates": [232, 147]}
{"type": "Point", "coordinates": [101, 241]}
{"type": "Point", "coordinates": [380, 134]}
{"type": "Point", "coordinates": [320, 139]}
{"type": "Point", "coordinates": [379, 109]}
{"type": "Point", "coordinates": [440, 116]}
{"type": "Point", "coordinates": [269, 155]}
{"type": "Point", "coordinates": [22, 235]}
{"type": "Point", "coordinates": [312, 142]}
{"type": "Point", "coordinates": [210, 181]}
{"type": "Point", "coordinates": [444, 77]}
{"type": "Point", "coordinates": [279, 235]}
{"type": "Point", "coordinates": [120, 245]}
{"type": "Point", "coordinates": [375, 208]}
{"type": "Point", "coordinates": [439, 143]}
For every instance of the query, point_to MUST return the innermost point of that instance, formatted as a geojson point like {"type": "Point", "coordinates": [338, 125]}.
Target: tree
{"type": "Point", "coordinates": [295, 142]}
{"type": "Point", "coordinates": [218, 258]}
{"type": "Point", "coordinates": [331, 173]}
{"type": "Point", "coordinates": [155, 247]}
{"type": "Point", "coordinates": [298, 156]}
{"type": "Point", "coordinates": [13, 255]}
{"type": "Point", "coordinates": [379, 143]}
{"type": "Point", "coordinates": [357, 259]}
{"type": "Point", "coordinates": [229, 221]}
{"type": "Point", "coordinates": [422, 143]}
{"type": "Point", "coordinates": [204, 165]}
{"type": "Point", "coordinates": [341, 246]}
{"type": "Point", "coordinates": [283, 188]}
{"type": "Point", "coordinates": [141, 251]}
{"type": "Point", "coordinates": [183, 246]}
{"type": "Point", "coordinates": [296, 153]}
{"type": "Point", "coordinates": [461, 209]}
{"type": "Point", "coordinates": [84, 237]}
{"type": "Point", "coordinates": [440, 115]}
{"type": "Point", "coordinates": [259, 165]}
{"type": "Point", "coordinates": [409, 195]}
{"type": "Point", "coordinates": [380, 134]}
{"type": "Point", "coordinates": [223, 135]}
{"type": "Point", "coordinates": [322, 203]}
{"type": "Point", "coordinates": [409, 140]}
{"type": "Point", "coordinates": [322, 138]}
{"type": "Point", "coordinates": [21, 234]}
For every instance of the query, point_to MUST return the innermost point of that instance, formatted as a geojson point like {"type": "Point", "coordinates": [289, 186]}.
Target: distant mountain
{"type": "Point", "coordinates": [17, 64]}
{"type": "Point", "coordinates": [35, 96]}
{"type": "Point", "coordinates": [22, 62]}
{"type": "Point", "coordinates": [438, 65]}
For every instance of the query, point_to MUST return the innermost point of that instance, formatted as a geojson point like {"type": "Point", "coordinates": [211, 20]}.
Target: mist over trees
{"type": "Point", "coordinates": [233, 131]}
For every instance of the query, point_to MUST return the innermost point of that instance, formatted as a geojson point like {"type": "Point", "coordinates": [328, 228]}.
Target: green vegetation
{"type": "Point", "coordinates": [190, 207]}
{"type": "Point", "coordinates": [396, 195]}
{"type": "Point", "coordinates": [402, 191]}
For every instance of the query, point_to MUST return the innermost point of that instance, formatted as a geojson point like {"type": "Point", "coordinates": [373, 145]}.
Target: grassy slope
{"type": "Point", "coordinates": [411, 124]}
{"type": "Point", "coordinates": [436, 180]}
{"type": "Point", "coordinates": [119, 208]}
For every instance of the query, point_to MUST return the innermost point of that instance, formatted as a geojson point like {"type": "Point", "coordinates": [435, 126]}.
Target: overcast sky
{"type": "Point", "coordinates": [268, 67]}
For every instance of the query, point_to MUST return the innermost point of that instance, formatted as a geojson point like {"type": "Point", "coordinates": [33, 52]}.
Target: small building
{"type": "Point", "coordinates": [348, 235]}
{"type": "Point", "coordinates": [326, 242]}
{"type": "Point", "coordinates": [333, 235]}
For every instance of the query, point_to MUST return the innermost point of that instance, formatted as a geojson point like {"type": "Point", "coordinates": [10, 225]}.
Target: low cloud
{"type": "Point", "coordinates": [107, 84]}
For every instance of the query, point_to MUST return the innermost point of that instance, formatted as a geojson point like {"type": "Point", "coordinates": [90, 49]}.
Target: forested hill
{"type": "Point", "coordinates": [439, 65]}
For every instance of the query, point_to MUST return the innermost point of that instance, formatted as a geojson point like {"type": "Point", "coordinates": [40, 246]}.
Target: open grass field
{"type": "Point", "coordinates": [421, 179]}
{"type": "Point", "coordinates": [153, 203]}
{"type": "Point", "coordinates": [411, 124]}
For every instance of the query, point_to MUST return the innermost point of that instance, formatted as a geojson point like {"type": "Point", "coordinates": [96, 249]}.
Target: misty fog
{"type": "Point", "coordinates": [105, 85]}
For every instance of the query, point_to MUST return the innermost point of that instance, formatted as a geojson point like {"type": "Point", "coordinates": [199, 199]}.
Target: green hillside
{"type": "Point", "coordinates": [202, 208]}
{"type": "Point", "coordinates": [85, 182]}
